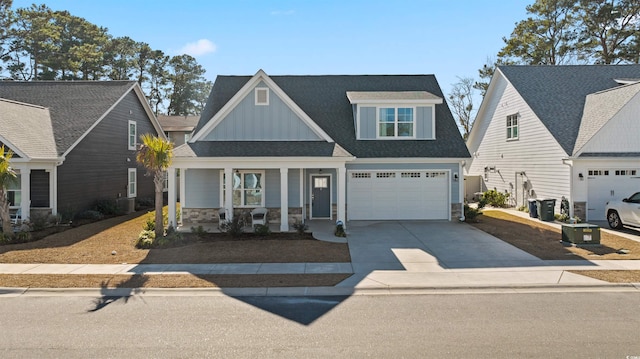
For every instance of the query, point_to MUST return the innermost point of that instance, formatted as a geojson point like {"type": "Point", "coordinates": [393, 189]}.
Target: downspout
{"type": "Point", "coordinates": [461, 165]}
{"type": "Point", "coordinates": [568, 162]}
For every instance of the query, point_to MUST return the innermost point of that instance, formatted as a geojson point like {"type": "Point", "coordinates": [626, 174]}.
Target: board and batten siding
{"type": "Point", "coordinates": [535, 152]}
{"type": "Point", "coordinates": [619, 134]}
{"type": "Point", "coordinates": [203, 188]}
{"type": "Point", "coordinates": [96, 169]}
{"type": "Point", "coordinates": [272, 188]}
{"type": "Point", "coordinates": [273, 122]}
{"type": "Point", "coordinates": [369, 116]}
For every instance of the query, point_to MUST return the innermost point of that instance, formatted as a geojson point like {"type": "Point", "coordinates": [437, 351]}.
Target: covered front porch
{"type": "Point", "coordinates": [35, 190]}
{"type": "Point", "coordinates": [293, 190]}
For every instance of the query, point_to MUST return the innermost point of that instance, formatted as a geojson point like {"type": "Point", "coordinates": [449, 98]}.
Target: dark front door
{"type": "Point", "coordinates": [321, 197]}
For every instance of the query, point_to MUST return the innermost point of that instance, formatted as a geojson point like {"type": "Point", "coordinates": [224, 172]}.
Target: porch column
{"type": "Point", "coordinates": [53, 190]}
{"type": "Point", "coordinates": [183, 196]}
{"type": "Point", "coordinates": [25, 191]}
{"type": "Point", "coordinates": [171, 183]}
{"type": "Point", "coordinates": [342, 195]}
{"type": "Point", "coordinates": [228, 192]}
{"type": "Point", "coordinates": [284, 200]}
{"type": "Point", "coordinates": [304, 212]}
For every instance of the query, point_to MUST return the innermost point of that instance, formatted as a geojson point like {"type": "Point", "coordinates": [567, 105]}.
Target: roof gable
{"type": "Point", "coordinates": [205, 129]}
{"type": "Point", "coordinates": [27, 130]}
{"type": "Point", "coordinates": [557, 94]}
{"type": "Point", "coordinates": [324, 99]}
{"type": "Point", "coordinates": [76, 107]}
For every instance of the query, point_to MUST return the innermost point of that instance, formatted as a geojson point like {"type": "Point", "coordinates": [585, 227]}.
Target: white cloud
{"type": "Point", "coordinates": [200, 47]}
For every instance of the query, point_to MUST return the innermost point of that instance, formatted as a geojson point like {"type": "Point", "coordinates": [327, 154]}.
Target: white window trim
{"type": "Point", "coordinates": [517, 127]}
{"type": "Point", "coordinates": [258, 89]}
{"type": "Point", "coordinates": [135, 135]}
{"type": "Point", "coordinates": [242, 189]}
{"type": "Point", "coordinates": [396, 137]}
{"type": "Point", "coordinates": [133, 194]}
{"type": "Point", "coordinates": [16, 188]}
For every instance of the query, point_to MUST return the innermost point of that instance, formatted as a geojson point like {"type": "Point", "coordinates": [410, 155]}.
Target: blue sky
{"type": "Point", "coordinates": [448, 38]}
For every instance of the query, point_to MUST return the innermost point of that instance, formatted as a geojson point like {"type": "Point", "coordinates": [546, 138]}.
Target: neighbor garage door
{"type": "Point", "coordinates": [375, 195]}
{"type": "Point", "coordinates": [608, 184]}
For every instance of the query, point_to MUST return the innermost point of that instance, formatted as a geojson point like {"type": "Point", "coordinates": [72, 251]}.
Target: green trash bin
{"type": "Point", "coordinates": [546, 209]}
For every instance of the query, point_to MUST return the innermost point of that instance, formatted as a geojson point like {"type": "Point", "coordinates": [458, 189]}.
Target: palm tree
{"type": "Point", "coordinates": [155, 154]}
{"type": "Point", "coordinates": [7, 176]}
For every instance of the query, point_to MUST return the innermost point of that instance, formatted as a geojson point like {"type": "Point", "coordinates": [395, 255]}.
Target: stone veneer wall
{"type": "Point", "coordinates": [456, 211]}
{"type": "Point", "coordinates": [210, 215]}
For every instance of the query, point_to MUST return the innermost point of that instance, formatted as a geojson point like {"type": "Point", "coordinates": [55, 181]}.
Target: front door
{"type": "Point", "coordinates": [321, 197]}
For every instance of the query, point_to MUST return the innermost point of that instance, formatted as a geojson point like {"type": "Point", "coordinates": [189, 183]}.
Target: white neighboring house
{"type": "Point", "coordinates": [554, 131]}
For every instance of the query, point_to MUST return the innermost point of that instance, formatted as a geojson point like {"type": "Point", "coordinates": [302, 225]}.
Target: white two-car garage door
{"type": "Point", "coordinates": [379, 195]}
{"type": "Point", "coordinates": [607, 185]}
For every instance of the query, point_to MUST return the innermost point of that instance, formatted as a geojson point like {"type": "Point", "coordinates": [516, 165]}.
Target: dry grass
{"type": "Point", "coordinates": [94, 243]}
{"type": "Point", "coordinates": [169, 281]}
{"type": "Point", "coordinates": [542, 241]}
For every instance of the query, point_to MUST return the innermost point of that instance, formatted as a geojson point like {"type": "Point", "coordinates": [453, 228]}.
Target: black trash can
{"type": "Point", "coordinates": [533, 208]}
{"type": "Point", "coordinates": [546, 209]}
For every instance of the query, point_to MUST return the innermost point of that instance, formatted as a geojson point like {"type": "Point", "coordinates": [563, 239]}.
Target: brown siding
{"type": "Point", "coordinates": [96, 168]}
{"type": "Point", "coordinates": [39, 188]}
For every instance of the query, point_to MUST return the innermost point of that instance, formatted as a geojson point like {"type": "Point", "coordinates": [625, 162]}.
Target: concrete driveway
{"type": "Point", "coordinates": [429, 246]}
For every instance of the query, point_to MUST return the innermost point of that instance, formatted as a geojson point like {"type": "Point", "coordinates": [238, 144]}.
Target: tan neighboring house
{"type": "Point", "coordinates": [178, 128]}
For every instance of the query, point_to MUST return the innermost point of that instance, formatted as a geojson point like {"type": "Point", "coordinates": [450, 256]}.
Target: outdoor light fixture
{"type": "Point", "coordinates": [581, 176]}
{"type": "Point", "coordinates": [455, 177]}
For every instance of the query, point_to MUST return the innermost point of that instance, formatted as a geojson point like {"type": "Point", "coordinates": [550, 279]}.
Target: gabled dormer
{"type": "Point", "coordinates": [394, 115]}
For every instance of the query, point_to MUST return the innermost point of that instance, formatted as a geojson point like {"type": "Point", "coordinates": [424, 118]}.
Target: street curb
{"type": "Point", "coordinates": [8, 292]}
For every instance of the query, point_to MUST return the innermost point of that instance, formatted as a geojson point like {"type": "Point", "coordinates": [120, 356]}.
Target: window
{"type": "Point", "coordinates": [320, 182]}
{"type": "Point", "coordinates": [262, 96]}
{"type": "Point", "coordinates": [248, 189]}
{"type": "Point", "coordinates": [512, 127]}
{"type": "Point", "coordinates": [361, 175]}
{"type": "Point", "coordinates": [625, 172]}
{"type": "Point", "coordinates": [132, 185]}
{"type": "Point", "coordinates": [598, 172]}
{"type": "Point", "coordinates": [396, 122]}
{"type": "Point", "coordinates": [14, 192]}
{"type": "Point", "coordinates": [187, 137]}
{"type": "Point", "coordinates": [132, 135]}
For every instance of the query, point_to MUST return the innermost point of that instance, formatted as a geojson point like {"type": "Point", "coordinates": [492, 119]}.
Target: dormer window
{"type": "Point", "coordinates": [262, 96]}
{"type": "Point", "coordinates": [396, 122]}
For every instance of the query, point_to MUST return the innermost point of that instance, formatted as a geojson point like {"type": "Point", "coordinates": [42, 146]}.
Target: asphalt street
{"type": "Point", "coordinates": [479, 325]}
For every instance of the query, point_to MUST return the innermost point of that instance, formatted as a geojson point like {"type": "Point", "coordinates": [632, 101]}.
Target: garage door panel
{"type": "Point", "coordinates": [608, 185]}
{"type": "Point", "coordinates": [379, 195]}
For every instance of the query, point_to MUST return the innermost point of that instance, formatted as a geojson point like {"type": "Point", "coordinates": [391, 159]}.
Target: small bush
{"type": "Point", "coordinates": [150, 222]}
{"type": "Point", "coordinates": [261, 230]}
{"type": "Point", "coordinates": [145, 202]}
{"type": "Point", "coordinates": [199, 231]}
{"type": "Point", "coordinates": [90, 214]}
{"type": "Point", "coordinates": [171, 238]}
{"type": "Point", "coordinates": [470, 213]}
{"type": "Point", "coordinates": [6, 238]}
{"type": "Point", "coordinates": [39, 221]}
{"type": "Point", "coordinates": [523, 209]}
{"type": "Point", "coordinates": [234, 227]}
{"type": "Point", "coordinates": [107, 207]}
{"type": "Point", "coordinates": [495, 198]}
{"type": "Point", "coordinates": [23, 236]}
{"type": "Point", "coordinates": [300, 227]}
{"type": "Point", "coordinates": [145, 239]}
{"type": "Point", "coordinates": [482, 202]}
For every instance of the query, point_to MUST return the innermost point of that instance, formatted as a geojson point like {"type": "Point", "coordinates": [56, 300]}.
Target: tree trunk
{"type": "Point", "coordinates": [158, 181]}
{"type": "Point", "coordinates": [5, 216]}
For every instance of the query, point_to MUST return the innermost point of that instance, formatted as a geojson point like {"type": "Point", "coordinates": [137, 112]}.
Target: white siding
{"type": "Point", "coordinates": [620, 134]}
{"type": "Point", "coordinates": [535, 152]}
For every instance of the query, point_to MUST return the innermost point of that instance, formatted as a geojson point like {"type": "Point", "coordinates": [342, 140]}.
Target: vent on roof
{"type": "Point", "coordinates": [262, 96]}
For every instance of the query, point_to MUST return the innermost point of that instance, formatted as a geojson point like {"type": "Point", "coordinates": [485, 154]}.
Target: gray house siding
{"type": "Point", "coordinates": [249, 122]}
{"type": "Point", "coordinates": [39, 188]}
{"type": "Point", "coordinates": [424, 123]}
{"type": "Point", "coordinates": [204, 188]}
{"type": "Point", "coordinates": [272, 189]}
{"type": "Point", "coordinates": [96, 168]}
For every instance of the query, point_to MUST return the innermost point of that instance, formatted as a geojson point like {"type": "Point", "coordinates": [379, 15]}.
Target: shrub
{"type": "Point", "coordinates": [482, 202]}
{"type": "Point", "coordinates": [39, 221]}
{"type": "Point", "coordinates": [300, 227]}
{"type": "Point", "coordinates": [6, 238]}
{"type": "Point", "coordinates": [495, 198]}
{"type": "Point", "coordinates": [234, 227]}
{"type": "Point", "coordinates": [23, 236]}
{"type": "Point", "coordinates": [199, 231]}
{"type": "Point", "coordinates": [150, 222]}
{"type": "Point", "coordinates": [145, 202]}
{"type": "Point", "coordinates": [261, 230]}
{"type": "Point", "coordinates": [90, 214]}
{"type": "Point", "coordinates": [172, 237]}
{"type": "Point", "coordinates": [523, 209]}
{"type": "Point", "coordinates": [470, 213]}
{"type": "Point", "coordinates": [145, 239]}
{"type": "Point", "coordinates": [107, 207]}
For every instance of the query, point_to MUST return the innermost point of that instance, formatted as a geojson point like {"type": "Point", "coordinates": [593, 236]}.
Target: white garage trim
{"type": "Point", "coordinates": [399, 194]}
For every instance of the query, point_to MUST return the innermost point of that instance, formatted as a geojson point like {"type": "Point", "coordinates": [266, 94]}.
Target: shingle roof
{"type": "Point", "coordinates": [260, 149]}
{"type": "Point", "coordinates": [557, 94]}
{"type": "Point", "coordinates": [324, 99]}
{"type": "Point", "coordinates": [20, 123]}
{"type": "Point", "coordinates": [355, 96]}
{"type": "Point", "coordinates": [178, 123]}
{"type": "Point", "coordinates": [601, 107]}
{"type": "Point", "coordinates": [74, 105]}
